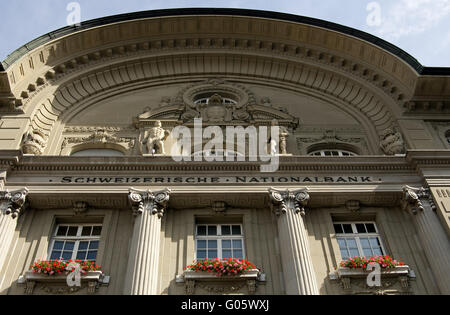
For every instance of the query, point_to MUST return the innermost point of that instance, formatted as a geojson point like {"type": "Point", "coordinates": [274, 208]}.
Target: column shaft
{"type": "Point", "coordinates": [298, 271]}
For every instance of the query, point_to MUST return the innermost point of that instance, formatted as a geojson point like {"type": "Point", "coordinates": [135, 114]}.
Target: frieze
{"type": "Point", "coordinates": [193, 180]}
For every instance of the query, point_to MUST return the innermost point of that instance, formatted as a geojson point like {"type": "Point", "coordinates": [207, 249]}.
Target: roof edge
{"type": "Point", "coordinates": [406, 57]}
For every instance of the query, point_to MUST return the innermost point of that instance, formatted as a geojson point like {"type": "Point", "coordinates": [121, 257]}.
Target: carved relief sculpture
{"type": "Point", "coordinates": [34, 143]}
{"type": "Point", "coordinates": [154, 139]}
{"type": "Point", "coordinates": [12, 203]}
{"type": "Point", "coordinates": [392, 142]}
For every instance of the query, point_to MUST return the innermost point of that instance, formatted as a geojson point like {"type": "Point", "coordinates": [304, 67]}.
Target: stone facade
{"type": "Point", "coordinates": [86, 124]}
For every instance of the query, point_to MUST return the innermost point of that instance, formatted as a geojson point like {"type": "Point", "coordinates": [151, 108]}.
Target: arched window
{"type": "Point", "coordinates": [205, 101]}
{"type": "Point", "coordinates": [98, 152]}
{"type": "Point", "coordinates": [332, 153]}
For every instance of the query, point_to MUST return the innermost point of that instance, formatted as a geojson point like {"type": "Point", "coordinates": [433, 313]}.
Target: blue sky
{"type": "Point", "coordinates": [420, 27]}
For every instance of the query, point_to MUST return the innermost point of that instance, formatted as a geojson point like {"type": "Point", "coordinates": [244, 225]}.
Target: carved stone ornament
{"type": "Point", "coordinates": [148, 201]}
{"type": "Point", "coordinates": [57, 284]}
{"type": "Point", "coordinates": [243, 110]}
{"type": "Point", "coordinates": [330, 137]}
{"type": "Point", "coordinates": [353, 205]}
{"type": "Point", "coordinates": [99, 136]}
{"type": "Point", "coordinates": [282, 201]}
{"type": "Point", "coordinates": [80, 208]}
{"type": "Point", "coordinates": [411, 199]}
{"type": "Point", "coordinates": [13, 202]}
{"type": "Point", "coordinates": [34, 143]}
{"type": "Point", "coordinates": [392, 282]}
{"type": "Point", "coordinates": [212, 284]}
{"type": "Point", "coordinates": [392, 142]}
{"type": "Point", "coordinates": [153, 139]}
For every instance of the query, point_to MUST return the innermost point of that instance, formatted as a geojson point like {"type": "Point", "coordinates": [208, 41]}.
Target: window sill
{"type": "Point", "coordinates": [57, 284]}
{"type": "Point", "coordinates": [214, 284]}
{"type": "Point", "coordinates": [393, 281]}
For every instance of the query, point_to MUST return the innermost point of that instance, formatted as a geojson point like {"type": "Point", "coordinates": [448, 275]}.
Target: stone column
{"type": "Point", "coordinates": [11, 205]}
{"type": "Point", "coordinates": [143, 262]}
{"type": "Point", "coordinates": [298, 271]}
{"type": "Point", "coordinates": [434, 239]}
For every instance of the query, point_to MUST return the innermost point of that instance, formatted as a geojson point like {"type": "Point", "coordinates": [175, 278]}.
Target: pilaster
{"type": "Point", "coordinates": [142, 270]}
{"type": "Point", "coordinates": [11, 205]}
{"type": "Point", "coordinates": [298, 272]}
{"type": "Point", "coordinates": [434, 239]}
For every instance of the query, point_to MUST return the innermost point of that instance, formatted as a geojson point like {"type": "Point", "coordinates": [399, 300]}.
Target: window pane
{"type": "Point", "coordinates": [344, 254]}
{"type": "Point", "coordinates": [371, 228]}
{"type": "Point", "coordinates": [201, 244]}
{"type": "Point", "coordinates": [377, 252]}
{"type": "Point", "coordinates": [238, 254]}
{"type": "Point", "coordinates": [365, 242]}
{"type": "Point", "coordinates": [212, 230]}
{"type": "Point", "coordinates": [201, 254]}
{"type": "Point", "coordinates": [201, 230]}
{"type": "Point", "coordinates": [93, 245]}
{"type": "Point", "coordinates": [58, 245]}
{"type": "Point", "coordinates": [338, 229]}
{"type": "Point", "coordinates": [69, 246]}
{"type": "Point", "coordinates": [83, 246]}
{"type": "Point", "coordinates": [86, 231]}
{"type": "Point", "coordinates": [342, 243]}
{"type": "Point", "coordinates": [237, 230]}
{"type": "Point", "coordinates": [62, 231]}
{"type": "Point", "coordinates": [226, 244]}
{"type": "Point", "coordinates": [92, 255]}
{"type": "Point", "coordinates": [212, 244]}
{"type": "Point", "coordinates": [227, 254]}
{"type": "Point", "coordinates": [55, 255]}
{"type": "Point", "coordinates": [212, 254]}
{"type": "Point", "coordinates": [361, 228]}
{"type": "Point", "coordinates": [81, 255]}
{"type": "Point", "coordinates": [66, 255]}
{"type": "Point", "coordinates": [368, 252]}
{"type": "Point", "coordinates": [351, 243]}
{"type": "Point", "coordinates": [354, 252]}
{"type": "Point", "coordinates": [97, 231]}
{"type": "Point", "coordinates": [73, 230]}
{"type": "Point", "coordinates": [226, 230]}
{"type": "Point", "coordinates": [237, 244]}
{"type": "Point", "coordinates": [374, 242]}
{"type": "Point", "coordinates": [347, 228]}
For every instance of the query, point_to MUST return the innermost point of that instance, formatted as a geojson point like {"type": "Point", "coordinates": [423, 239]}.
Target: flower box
{"type": "Point", "coordinates": [57, 284]}
{"type": "Point", "coordinates": [201, 275]}
{"type": "Point", "coordinates": [362, 273]}
{"type": "Point", "coordinates": [212, 283]}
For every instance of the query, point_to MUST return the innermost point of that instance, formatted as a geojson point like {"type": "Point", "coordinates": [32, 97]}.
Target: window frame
{"type": "Point", "coordinates": [76, 239]}
{"type": "Point", "coordinates": [357, 237]}
{"type": "Point", "coordinates": [219, 238]}
{"type": "Point", "coordinates": [340, 153]}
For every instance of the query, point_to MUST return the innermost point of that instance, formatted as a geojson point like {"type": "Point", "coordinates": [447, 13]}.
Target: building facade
{"type": "Point", "coordinates": [91, 169]}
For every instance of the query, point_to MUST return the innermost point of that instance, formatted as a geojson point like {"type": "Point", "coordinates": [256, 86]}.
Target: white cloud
{"type": "Point", "coordinates": [411, 17]}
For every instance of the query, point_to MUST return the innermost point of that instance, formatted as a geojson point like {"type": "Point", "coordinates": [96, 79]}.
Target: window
{"type": "Point", "coordinates": [332, 153]}
{"type": "Point", "coordinates": [76, 242]}
{"type": "Point", "coordinates": [360, 239]}
{"type": "Point", "coordinates": [98, 152]}
{"type": "Point", "coordinates": [219, 241]}
{"type": "Point", "coordinates": [205, 101]}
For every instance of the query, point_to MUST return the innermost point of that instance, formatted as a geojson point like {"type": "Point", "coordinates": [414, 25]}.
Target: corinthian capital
{"type": "Point", "coordinates": [156, 202]}
{"type": "Point", "coordinates": [284, 200]}
{"type": "Point", "coordinates": [13, 202]}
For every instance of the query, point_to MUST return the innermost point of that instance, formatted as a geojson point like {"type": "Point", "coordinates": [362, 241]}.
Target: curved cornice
{"type": "Point", "coordinates": [16, 55]}
{"type": "Point", "coordinates": [169, 31]}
